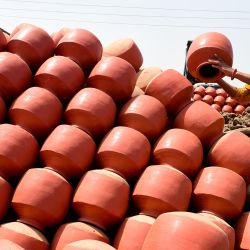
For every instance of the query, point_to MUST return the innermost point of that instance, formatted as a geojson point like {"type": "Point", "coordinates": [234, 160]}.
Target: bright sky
{"type": "Point", "coordinates": [160, 28]}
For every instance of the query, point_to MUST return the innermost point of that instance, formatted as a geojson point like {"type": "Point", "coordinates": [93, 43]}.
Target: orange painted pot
{"type": "Point", "coordinates": [160, 189]}
{"type": "Point", "coordinates": [37, 110]}
{"type": "Point", "coordinates": [172, 89]}
{"type": "Point", "coordinates": [137, 91]}
{"type": "Point", "coordinates": [202, 48]}
{"type": "Point", "coordinates": [88, 245]}
{"type": "Point", "coordinates": [42, 198]}
{"type": "Point", "coordinates": [91, 110]}
{"type": "Point", "coordinates": [180, 148]}
{"type": "Point", "coordinates": [3, 110]}
{"type": "Point", "coordinates": [145, 114]}
{"type": "Point", "coordinates": [185, 231]}
{"type": "Point", "coordinates": [3, 41]}
{"type": "Point", "coordinates": [9, 245]}
{"type": "Point", "coordinates": [19, 152]}
{"type": "Point", "coordinates": [75, 231]}
{"type": "Point", "coordinates": [56, 36]}
{"type": "Point", "coordinates": [60, 75]}
{"type": "Point", "coordinates": [92, 202]}
{"type": "Point", "coordinates": [126, 238]}
{"type": "Point", "coordinates": [81, 46]}
{"type": "Point", "coordinates": [24, 236]}
{"type": "Point", "coordinates": [6, 192]}
{"type": "Point", "coordinates": [219, 191]}
{"type": "Point", "coordinates": [125, 151]}
{"type": "Point", "coordinates": [201, 119]}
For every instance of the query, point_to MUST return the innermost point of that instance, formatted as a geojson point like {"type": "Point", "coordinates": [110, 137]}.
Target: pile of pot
{"type": "Point", "coordinates": [97, 152]}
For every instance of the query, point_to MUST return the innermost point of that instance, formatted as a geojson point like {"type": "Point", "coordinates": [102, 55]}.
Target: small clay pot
{"type": "Point", "coordinates": [3, 41]}
{"type": "Point", "coordinates": [102, 205]}
{"type": "Point", "coordinates": [208, 99]}
{"type": "Point", "coordinates": [231, 101]}
{"type": "Point", "coordinates": [160, 189]}
{"type": "Point", "coordinates": [227, 109]}
{"type": "Point", "coordinates": [210, 91]}
{"type": "Point", "coordinates": [221, 92]}
{"type": "Point", "coordinates": [6, 192]}
{"type": "Point", "coordinates": [126, 238]}
{"type": "Point", "coordinates": [216, 107]}
{"type": "Point", "coordinates": [137, 91]}
{"type": "Point", "coordinates": [196, 97]}
{"type": "Point", "coordinates": [201, 90]}
{"type": "Point", "coordinates": [42, 198]}
{"type": "Point", "coordinates": [125, 151]}
{"type": "Point", "coordinates": [60, 75]}
{"type": "Point", "coordinates": [56, 36]}
{"type": "Point", "coordinates": [9, 245]}
{"type": "Point", "coordinates": [3, 110]}
{"type": "Point", "coordinates": [220, 100]}
{"type": "Point", "coordinates": [88, 245]}
{"type": "Point", "coordinates": [239, 109]}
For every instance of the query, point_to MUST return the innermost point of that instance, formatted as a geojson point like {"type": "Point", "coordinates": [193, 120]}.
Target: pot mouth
{"type": "Point", "coordinates": [206, 71]}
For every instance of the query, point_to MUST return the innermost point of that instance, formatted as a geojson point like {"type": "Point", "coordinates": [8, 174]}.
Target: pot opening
{"type": "Point", "coordinates": [207, 71]}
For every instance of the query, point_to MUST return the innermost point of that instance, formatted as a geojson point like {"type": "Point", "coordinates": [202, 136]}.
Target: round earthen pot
{"type": "Point", "coordinates": [19, 152]}
{"type": "Point", "coordinates": [180, 148]}
{"type": "Point", "coordinates": [56, 36]}
{"type": "Point", "coordinates": [102, 205]}
{"type": "Point", "coordinates": [220, 100]}
{"type": "Point", "coordinates": [6, 192]}
{"type": "Point", "coordinates": [13, 84]}
{"type": "Point", "coordinates": [42, 198]}
{"type": "Point", "coordinates": [219, 191]}
{"type": "Point", "coordinates": [201, 90]}
{"type": "Point", "coordinates": [172, 89]}
{"type": "Point", "coordinates": [75, 231]}
{"type": "Point", "coordinates": [211, 91]}
{"type": "Point", "coordinates": [3, 110]}
{"type": "Point", "coordinates": [32, 44]}
{"type": "Point", "coordinates": [202, 48]}
{"type": "Point", "coordinates": [137, 91]}
{"type": "Point", "coordinates": [24, 236]}
{"type": "Point", "coordinates": [68, 150]}
{"type": "Point", "coordinates": [160, 189]}
{"type": "Point", "coordinates": [126, 238]}
{"type": "Point", "coordinates": [146, 114]}
{"type": "Point", "coordinates": [37, 110]}
{"type": "Point", "coordinates": [185, 231]}
{"type": "Point", "coordinates": [227, 108]}
{"type": "Point", "coordinates": [91, 110]}
{"type": "Point", "coordinates": [221, 92]}
{"type": "Point", "coordinates": [9, 245]}
{"type": "Point", "coordinates": [81, 46]}
{"type": "Point", "coordinates": [88, 245]}
{"type": "Point", "coordinates": [232, 151]}
{"type": "Point", "coordinates": [216, 107]}
{"type": "Point", "coordinates": [60, 75]}
{"type": "Point", "coordinates": [3, 41]}
{"type": "Point", "coordinates": [197, 97]}
{"type": "Point", "coordinates": [208, 99]}
{"type": "Point", "coordinates": [115, 76]}
{"type": "Point", "coordinates": [239, 109]}
{"type": "Point", "coordinates": [201, 119]}
{"type": "Point", "coordinates": [231, 101]}
{"type": "Point", "coordinates": [124, 150]}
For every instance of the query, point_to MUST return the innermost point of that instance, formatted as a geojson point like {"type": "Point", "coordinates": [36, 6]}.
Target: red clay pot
{"type": "Point", "coordinates": [219, 191]}
{"type": "Point", "coordinates": [239, 109]}
{"type": "Point", "coordinates": [3, 41]}
{"type": "Point", "coordinates": [145, 114]}
{"type": "Point", "coordinates": [232, 151]}
{"type": "Point", "coordinates": [220, 100]}
{"type": "Point", "coordinates": [81, 46]}
{"type": "Point", "coordinates": [126, 238]}
{"type": "Point", "coordinates": [137, 91]}
{"type": "Point", "coordinates": [201, 90]}
{"type": "Point", "coordinates": [92, 110]}
{"type": "Point", "coordinates": [19, 152]}
{"type": "Point", "coordinates": [32, 44]}
{"type": "Point", "coordinates": [211, 91]}
{"type": "Point", "coordinates": [56, 36]}
{"type": "Point", "coordinates": [24, 236]}
{"type": "Point", "coordinates": [126, 49]}
{"type": "Point", "coordinates": [115, 76]}
{"type": "Point", "coordinates": [36, 110]}
{"type": "Point", "coordinates": [68, 150]}
{"type": "Point", "coordinates": [9, 245]}
{"type": "Point", "coordinates": [185, 231]}
{"type": "Point", "coordinates": [216, 107]}
{"type": "Point", "coordinates": [201, 119]}
{"type": "Point", "coordinates": [208, 99]}
{"type": "Point", "coordinates": [203, 48]}
{"type": "Point", "coordinates": [227, 109]}
{"type": "Point", "coordinates": [75, 231]}
{"type": "Point", "coordinates": [3, 110]}
{"type": "Point", "coordinates": [11, 85]}
{"type": "Point", "coordinates": [102, 205]}
{"type": "Point", "coordinates": [196, 97]}
{"type": "Point", "coordinates": [42, 198]}
{"type": "Point", "coordinates": [180, 148]}
{"type": "Point", "coordinates": [231, 101]}
{"type": "Point", "coordinates": [6, 192]}
{"type": "Point", "coordinates": [88, 245]}
{"type": "Point", "coordinates": [160, 189]}
{"type": "Point", "coordinates": [60, 75]}
{"type": "Point", "coordinates": [124, 150]}
{"type": "Point", "coordinates": [172, 89]}
{"type": "Point", "coordinates": [221, 92]}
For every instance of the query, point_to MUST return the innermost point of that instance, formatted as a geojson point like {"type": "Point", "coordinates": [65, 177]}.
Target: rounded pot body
{"type": "Point", "coordinates": [9, 245]}
{"type": "Point", "coordinates": [56, 36]}
{"type": "Point", "coordinates": [6, 192]}
{"type": "Point", "coordinates": [3, 110]}
{"type": "Point", "coordinates": [3, 41]}
{"type": "Point", "coordinates": [88, 245]}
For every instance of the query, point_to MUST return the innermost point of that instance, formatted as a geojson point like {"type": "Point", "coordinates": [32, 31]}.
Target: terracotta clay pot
{"type": "Point", "coordinates": [24, 236]}
{"type": "Point", "coordinates": [60, 75]}
{"type": "Point", "coordinates": [3, 41]}
{"type": "Point", "coordinates": [3, 110]}
{"type": "Point", "coordinates": [201, 119]}
{"type": "Point", "coordinates": [211, 91]}
{"type": "Point", "coordinates": [115, 76]}
{"type": "Point", "coordinates": [36, 110]}
{"type": "Point", "coordinates": [202, 48]}
{"type": "Point", "coordinates": [216, 107]}
{"type": "Point", "coordinates": [145, 114]}
{"type": "Point", "coordinates": [208, 99]}
{"type": "Point", "coordinates": [160, 189]}
{"type": "Point", "coordinates": [219, 191]}
{"type": "Point", "coordinates": [239, 109]}
{"type": "Point", "coordinates": [81, 46]}
{"type": "Point", "coordinates": [92, 110]}
{"type": "Point", "coordinates": [180, 148]}
{"type": "Point", "coordinates": [201, 90]}
{"type": "Point", "coordinates": [124, 150]}
{"type": "Point", "coordinates": [42, 198]}
{"type": "Point", "coordinates": [88, 245]}
{"type": "Point", "coordinates": [232, 151]}
{"type": "Point", "coordinates": [56, 36]}
{"type": "Point", "coordinates": [102, 205]}
{"type": "Point", "coordinates": [32, 44]}
{"type": "Point", "coordinates": [6, 192]}
{"type": "Point", "coordinates": [19, 152]}
{"type": "Point", "coordinates": [227, 109]}
{"type": "Point", "coordinates": [220, 100]}
{"type": "Point", "coordinates": [9, 245]}
{"type": "Point", "coordinates": [137, 91]}
{"type": "Point", "coordinates": [75, 231]}
{"type": "Point", "coordinates": [126, 49]}
{"type": "Point", "coordinates": [221, 92]}
{"type": "Point", "coordinates": [185, 231]}
{"type": "Point", "coordinates": [231, 101]}
{"type": "Point", "coordinates": [126, 238]}
{"type": "Point", "coordinates": [172, 89]}
{"type": "Point", "coordinates": [11, 85]}
{"type": "Point", "coordinates": [197, 97]}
